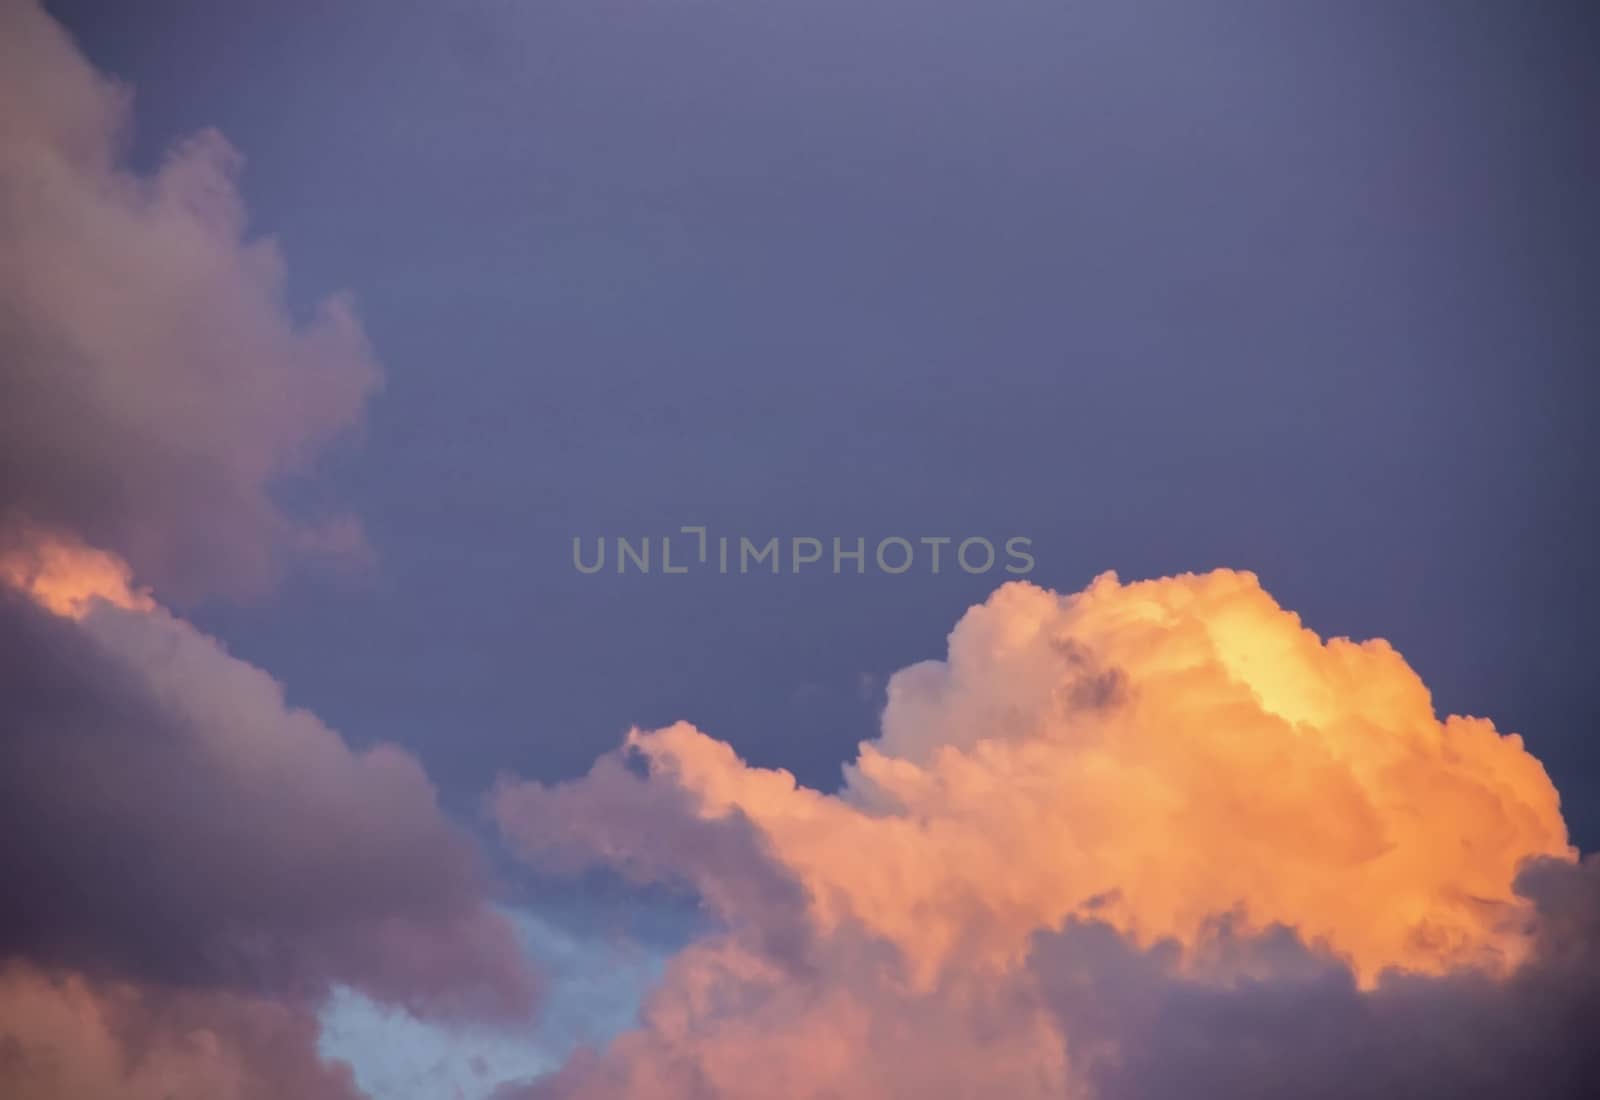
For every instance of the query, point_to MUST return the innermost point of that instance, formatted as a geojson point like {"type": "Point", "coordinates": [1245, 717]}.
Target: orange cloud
{"type": "Point", "coordinates": [1156, 754]}
{"type": "Point", "coordinates": [66, 577]}
{"type": "Point", "coordinates": [1179, 761]}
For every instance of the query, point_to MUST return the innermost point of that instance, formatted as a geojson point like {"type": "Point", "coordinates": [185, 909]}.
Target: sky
{"type": "Point", "coordinates": [328, 329]}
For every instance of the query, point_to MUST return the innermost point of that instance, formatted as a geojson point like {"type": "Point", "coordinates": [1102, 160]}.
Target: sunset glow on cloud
{"type": "Point", "coordinates": [205, 863]}
{"type": "Point", "coordinates": [193, 864]}
{"type": "Point", "coordinates": [65, 577]}
{"type": "Point", "coordinates": [1176, 762]}
{"type": "Point", "coordinates": [1151, 839]}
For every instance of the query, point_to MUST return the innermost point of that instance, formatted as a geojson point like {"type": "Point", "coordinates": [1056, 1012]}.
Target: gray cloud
{"type": "Point", "coordinates": [1275, 1018]}
{"type": "Point", "coordinates": [187, 827]}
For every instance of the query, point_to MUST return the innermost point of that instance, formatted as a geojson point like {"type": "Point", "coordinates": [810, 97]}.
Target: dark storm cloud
{"type": "Point", "coordinates": [155, 384]}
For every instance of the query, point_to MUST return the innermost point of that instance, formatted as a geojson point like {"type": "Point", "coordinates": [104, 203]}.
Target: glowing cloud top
{"type": "Point", "coordinates": [1176, 763]}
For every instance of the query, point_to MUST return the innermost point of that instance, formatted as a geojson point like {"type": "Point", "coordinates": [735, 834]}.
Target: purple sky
{"type": "Point", "coordinates": [1163, 288]}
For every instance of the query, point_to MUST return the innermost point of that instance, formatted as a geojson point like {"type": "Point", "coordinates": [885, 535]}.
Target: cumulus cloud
{"type": "Point", "coordinates": [1147, 840]}
{"type": "Point", "coordinates": [192, 865]}
{"type": "Point", "coordinates": [192, 841]}
{"type": "Point", "coordinates": [1097, 812]}
{"type": "Point", "coordinates": [156, 385]}
{"type": "Point", "coordinates": [195, 828]}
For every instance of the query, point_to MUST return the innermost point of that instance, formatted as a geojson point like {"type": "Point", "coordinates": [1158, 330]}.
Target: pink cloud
{"type": "Point", "coordinates": [157, 385]}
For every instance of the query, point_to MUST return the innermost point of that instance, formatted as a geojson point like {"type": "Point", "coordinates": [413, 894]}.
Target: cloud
{"type": "Point", "coordinates": [192, 865]}
{"type": "Point", "coordinates": [194, 843]}
{"type": "Point", "coordinates": [1146, 840]}
{"type": "Point", "coordinates": [157, 385]}
{"type": "Point", "coordinates": [1101, 818]}
{"type": "Point", "coordinates": [1274, 1018]}
{"type": "Point", "coordinates": [191, 828]}
{"type": "Point", "coordinates": [65, 1037]}
{"type": "Point", "coordinates": [651, 833]}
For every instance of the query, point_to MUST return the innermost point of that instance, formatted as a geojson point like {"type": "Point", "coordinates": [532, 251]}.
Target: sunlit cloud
{"type": "Point", "coordinates": [1178, 762]}
{"type": "Point", "coordinates": [66, 577]}
{"type": "Point", "coordinates": [1146, 840]}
